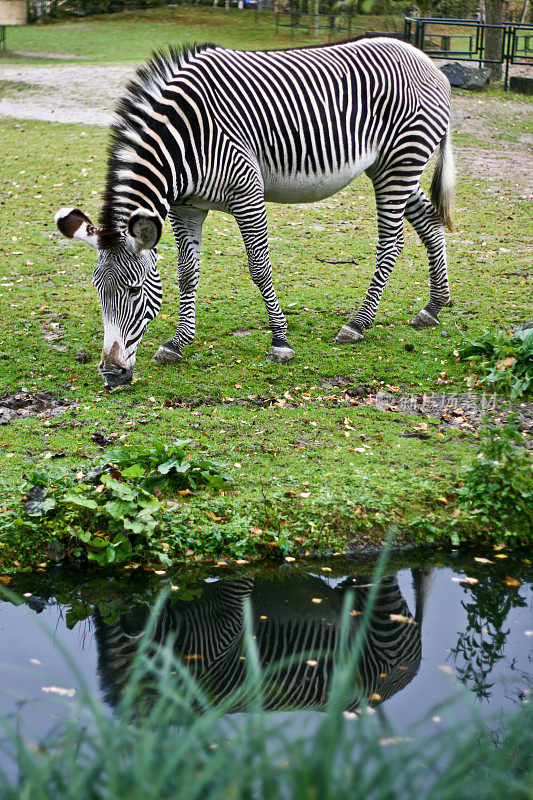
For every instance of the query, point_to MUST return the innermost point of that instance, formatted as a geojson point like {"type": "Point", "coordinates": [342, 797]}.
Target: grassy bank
{"type": "Point", "coordinates": [315, 465]}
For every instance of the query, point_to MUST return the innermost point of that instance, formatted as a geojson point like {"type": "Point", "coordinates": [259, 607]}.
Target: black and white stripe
{"type": "Point", "coordinates": [297, 640]}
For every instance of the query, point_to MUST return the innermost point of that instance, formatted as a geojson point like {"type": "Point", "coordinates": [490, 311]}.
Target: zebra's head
{"type": "Point", "coordinates": [127, 282]}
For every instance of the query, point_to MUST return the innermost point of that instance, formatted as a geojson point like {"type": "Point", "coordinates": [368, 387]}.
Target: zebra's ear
{"type": "Point", "coordinates": [145, 229]}
{"type": "Point", "coordinates": [75, 225]}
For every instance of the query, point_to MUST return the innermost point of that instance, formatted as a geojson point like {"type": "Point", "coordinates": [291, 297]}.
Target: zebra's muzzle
{"type": "Point", "coordinates": [116, 377]}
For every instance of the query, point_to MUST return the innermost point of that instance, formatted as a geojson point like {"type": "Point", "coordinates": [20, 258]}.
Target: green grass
{"type": "Point", "coordinates": [132, 35]}
{"type": "Point", "coordinates": [310, 467]}
{"type": "Point", "coordinates": [289, 434]}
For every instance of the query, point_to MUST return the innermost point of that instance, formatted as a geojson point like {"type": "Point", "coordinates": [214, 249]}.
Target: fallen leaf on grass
{"type": "Point", "coordinates": [512, 582]}
{"type": "Point", "coordinates": [506, 362]}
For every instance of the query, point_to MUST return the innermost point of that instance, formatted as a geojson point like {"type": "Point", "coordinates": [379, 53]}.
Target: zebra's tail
{"type": "Point", "coordinates": [442, 185]}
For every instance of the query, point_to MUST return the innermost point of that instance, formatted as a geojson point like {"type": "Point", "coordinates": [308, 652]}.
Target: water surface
{"type": "Point", "coordinates": [440, 622]}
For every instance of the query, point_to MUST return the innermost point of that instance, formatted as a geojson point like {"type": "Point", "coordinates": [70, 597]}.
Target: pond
{"type": "Point", "coordinates": [439, 620]}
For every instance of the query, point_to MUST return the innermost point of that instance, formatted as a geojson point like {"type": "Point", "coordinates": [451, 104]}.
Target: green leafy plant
{"type": "Point", "coordinates": [166, 467]}
{"type": "Point", "coordinates": [502, 361]}
{"type": "Point", "coordinates": [498, 487]}
{"type": "Point", "coordinates": [111, 513]}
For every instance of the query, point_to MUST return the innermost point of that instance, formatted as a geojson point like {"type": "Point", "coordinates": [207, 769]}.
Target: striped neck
{"type": "Point", "coordinates": [153, 158]}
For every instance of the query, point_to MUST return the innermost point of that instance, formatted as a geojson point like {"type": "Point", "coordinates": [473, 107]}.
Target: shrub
{"type": "Point", "coordinates": [498, 487]}
{"type": "Point", "coordinates": [503, 361]}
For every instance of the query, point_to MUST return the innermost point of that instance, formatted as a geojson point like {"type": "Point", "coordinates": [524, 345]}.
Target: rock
{"type": "Point", "coordinates": [82, 356]}
{"type": "Point", "coordinates": [444, 334]}
{"type": "Point", "coordinates": [474, 78]}
{"type": "Point", "coordinates": [522, 84]}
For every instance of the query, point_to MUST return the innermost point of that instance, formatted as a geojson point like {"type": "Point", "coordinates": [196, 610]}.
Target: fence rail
{"type": "Point", "coordinates": [427, 34]}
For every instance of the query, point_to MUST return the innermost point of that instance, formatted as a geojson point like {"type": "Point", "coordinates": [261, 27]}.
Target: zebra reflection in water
{"type": "Point", "coordinates": [296, 626]}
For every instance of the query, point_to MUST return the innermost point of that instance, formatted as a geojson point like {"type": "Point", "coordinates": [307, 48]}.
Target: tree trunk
{"type": "Point", "coordinates": [493, 37]}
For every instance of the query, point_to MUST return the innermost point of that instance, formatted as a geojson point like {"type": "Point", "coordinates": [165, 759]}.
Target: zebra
{"type": "Point", "coordinates": [208, 127]}
{"type": "Point", "coordinates": [297, 639]}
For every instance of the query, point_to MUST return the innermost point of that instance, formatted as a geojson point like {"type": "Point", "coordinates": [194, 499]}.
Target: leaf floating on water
{"type": "Point", "coordinates": [483, 560]}
{"type": "Point", "coordinates": [289, 559]}
{"type": "Point", "coordinates": [311, 662]}
{"type": "Point", "coordinates": [446, 669]}
{"type": "Point", "coordinates": [316, 600]}
{"type": "Point", "coordinates": [512, 581]}
{"type": "Point", "coordinates": [375, 697]}
{"type": "Point", "coordinates": [500, 555]}
{"type": "Point", "coordinates": [465, 579]}
{"type": "Point", "coordinates": [5, 579]}
{"type": "Point", "coordinates": [402, 618]}
{"type": "Point", "coordinates": [386, 740]}
{"type": "Point", "coordinates": [58, 690]}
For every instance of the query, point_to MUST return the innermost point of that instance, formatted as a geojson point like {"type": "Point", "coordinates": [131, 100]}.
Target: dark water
{"type": "Point", "coordinates": [430, 631]}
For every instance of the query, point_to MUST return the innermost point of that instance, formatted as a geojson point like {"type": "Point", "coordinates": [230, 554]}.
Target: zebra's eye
{"type": "Point", "coordinates": [133, 291]}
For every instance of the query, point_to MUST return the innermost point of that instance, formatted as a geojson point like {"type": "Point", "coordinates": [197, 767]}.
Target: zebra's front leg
{"type": "Point", "coordinates": [424, 219]}
{"type": "Point", "coordinates": [252, 222]}
{"type": "Point", "coordinates": [187, 228]}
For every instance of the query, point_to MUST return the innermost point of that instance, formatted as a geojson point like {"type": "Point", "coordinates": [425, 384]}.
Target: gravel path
{"type": "Point", "coordinates": [66, 93]}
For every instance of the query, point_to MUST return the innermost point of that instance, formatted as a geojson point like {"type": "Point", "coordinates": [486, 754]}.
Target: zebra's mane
{"type": "Point", "coordinates": [132, 116]}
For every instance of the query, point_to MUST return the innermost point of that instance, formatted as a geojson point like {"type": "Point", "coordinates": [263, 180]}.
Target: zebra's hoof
{"type": "Point", "coordinates": [166, 356]}
{"type": "Point", "coordinates": [280, 354]}
{"type": "Point", "coordinates": [349, 334]}
{"type": "Point", "coordinates": [424, 320]}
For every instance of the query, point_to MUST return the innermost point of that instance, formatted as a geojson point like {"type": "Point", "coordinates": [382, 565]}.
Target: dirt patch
{"type": "Point", "coordinates": [463, 411]}
{"type": "Point", "coordinates": [41, 404]}
{"type": "Point", "coordinates": [242, 332]}
{"type": "Point", "coordinates": [497, 166]}
{"type": "Point", "coordinates": [67, 93]}
{"type": "Point", "coordinates": [51, 56]}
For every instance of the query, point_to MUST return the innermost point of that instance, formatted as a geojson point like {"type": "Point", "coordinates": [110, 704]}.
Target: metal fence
{"type": "Point", "coordinates": [332, 24]}
{"type": "Point", "coordinates": [466, 40]}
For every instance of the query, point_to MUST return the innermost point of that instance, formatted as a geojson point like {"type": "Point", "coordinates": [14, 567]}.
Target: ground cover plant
{"type": "Point", "coordinates": [503, 360]}
{"type": "Point", "coordinates": [316, 463]}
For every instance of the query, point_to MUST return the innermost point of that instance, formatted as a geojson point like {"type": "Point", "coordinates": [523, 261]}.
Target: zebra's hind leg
{"type": "Point", "coordinates": [252, 222]}
{"type": "Point", "coordinates": [423, 217]}
{"type": "Point", "coordinates": [187, 228]}
{"type": "Point", "coordinates": [390, 244]}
